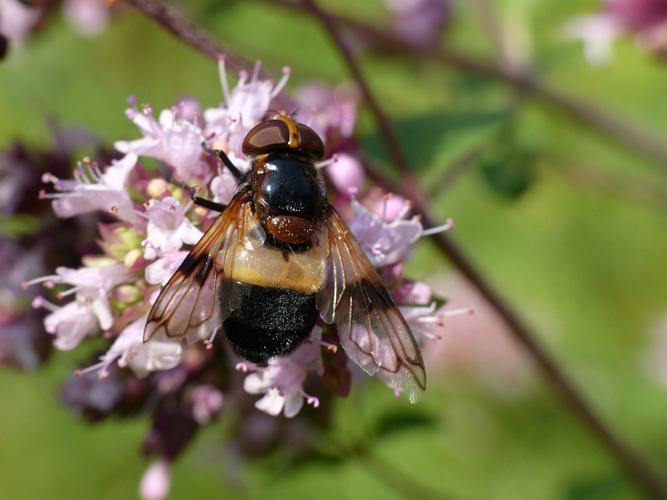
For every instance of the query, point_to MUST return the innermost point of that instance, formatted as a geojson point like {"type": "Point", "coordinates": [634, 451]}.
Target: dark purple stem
{"type": "Point", "coordinates": [199, 39]}
{"type": "Point", "coordinates": [632, 463]}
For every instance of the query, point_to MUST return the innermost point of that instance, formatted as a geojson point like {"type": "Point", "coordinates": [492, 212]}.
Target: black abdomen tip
{"type": "Point", "coordinates": [270, 322]}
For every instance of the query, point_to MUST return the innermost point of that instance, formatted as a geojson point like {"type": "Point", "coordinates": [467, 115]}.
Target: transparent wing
{"type": "Point", "coordinates": [195, 301]}
{"type": "Point", "coordinates": [370, 326]}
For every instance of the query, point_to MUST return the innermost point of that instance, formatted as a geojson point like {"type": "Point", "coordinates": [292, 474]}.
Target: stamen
{"type": "Point", "coordinates": [385, 200]}
{"type": "Point", "coordinates": [39, 301]}
{"type": "Point", "coordinates": [439, 229]}
{"type": "Point", "coordinates": [96, 173]}
{"type": "Point", "coordinates": [397, 393]}
{"type": "Point", "coordinates": [43, 195]}
{"type": "Point", "coordinates": [333, 348]}
{"type": "Point", "coordinates": [325, 163]}
{"type": "Point", "coordinates": [458, 312]}
{"type": "Point", "coordinates": [208, 343]}
{"type": "Point", "coordinates": [244, 366]}
{"type": "Point", "coordinates": [42, 279]}
{"type": "Point", "coordinates": [282, 82]}
{"type": "Point", "coordinates": [72, 290]}
{"type": "Point", "coordinates": [97, 366]}
{"type": "Point", "coordinates": [407, 206]}
{"type": "Point", "coordinates": [312, 401]}
{"type": "Point", "coordinates": [255, 71]}
{"type": "Point", "coordinates": [49, 177]}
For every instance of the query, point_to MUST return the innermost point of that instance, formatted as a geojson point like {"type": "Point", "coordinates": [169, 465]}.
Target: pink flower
{"type": "Point", "coordinates": [206, 403]}
{"type": "Point", "coordinates": [172, 139]}
{"type": "Point", "coordinates": [168, 229]}
{"type": "Point", "coordinates": [92, 190]}
{"type": "Point", "coordinates": [224, 185]}
{"type": "Point", "coordinates": [244, 106]}
{"type": "Point", "coordinates": [129, 349]}
{"type": "Point", "coordinates": [89, 17]}
{"type": "Point", "coordinates": [597, 32]}
{"type": "Point", "coordinates": [71, 323]}
{"type": "Point", "coordinates": [282, 380]}
{"type": "Point", "coordinates": [328, 110]}
{"type": "Point", "coordinates": [17, 19]}
{"type": "Point", "coordinates": [419, 21]}
{"type": "Point", "coordinates": [384, 242]}
{"type": "Point", "coordinates": [156, 481]}
{"type": "Point", "coordinates": [346, 173]}
{"type": "Point", "coordinates": [159, 272]}
{"type": "Point", "coordinates": [478, 345]}
{"type": "Point", "coordinates": [645, 19]}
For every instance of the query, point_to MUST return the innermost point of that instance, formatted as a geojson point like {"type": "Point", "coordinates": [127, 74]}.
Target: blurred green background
{"type": "Point", "coordinates": [583, 263]}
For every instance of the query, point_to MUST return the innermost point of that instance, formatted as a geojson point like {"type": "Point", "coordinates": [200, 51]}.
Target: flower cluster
{"type": "Point", "coordinates": [646, 20]}
{"type": "Point", "coordinates": [152, 225]}
{"type": "Point", "coordinates": [19, 19]}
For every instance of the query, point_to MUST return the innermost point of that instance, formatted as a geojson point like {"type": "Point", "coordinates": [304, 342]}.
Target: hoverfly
{"type": "Point", "coordinates": [279, 258]}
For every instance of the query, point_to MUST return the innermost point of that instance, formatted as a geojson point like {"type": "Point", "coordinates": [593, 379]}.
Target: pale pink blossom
{"type": "Point", "coordinates": [597, 32]}
{"type": "Point", "coordinates": [89, 17]}
{"type": "Point", "coordinates": [70, 323]}
{"type": "Point", "coordinates": [385, 243]}
{"type": "Point", "coordinates": [17, 19]}
{"type": "Point", "coordinates": [129, 349]}
{"type": "Point", "coordinates": [282, 380]}
{"type": "Point", "coordinates": [168, 229]}
{"type": "Point", "coordinates": [93, 190]}
{"type": "Point", "coordinates": [346, 173]}
{"type": "Point", "coordinates": [224, 185]}
{"type": "Point", "coordinates": [387, 235]}
{"type": "Point", "coordinates": [419, 21]}
{"type": "Point", "coordinates": [80, 318]}
{"type": "Point", "coordinates": [328, 110]}
{"type": "Point", "coordinates": [206, 403]}
{"type": "Point", "coordinates": [171, 139]}
{"type": "Point", "coordinates": [156, 481]}
{"type": "Point", "coordinates": [159, 272]}
{"type": "Point", "coordinates": [644, 19]}
{"type": "Point", "coordinates": [244, 106]}
{"type": "Point", "coordinates": [478, 345]}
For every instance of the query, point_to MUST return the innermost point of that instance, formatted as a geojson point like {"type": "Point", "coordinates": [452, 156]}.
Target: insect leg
{"type": "Point", "coordinates": [225, 160]}
{"type": "Point", "coordinates": [198, 200]}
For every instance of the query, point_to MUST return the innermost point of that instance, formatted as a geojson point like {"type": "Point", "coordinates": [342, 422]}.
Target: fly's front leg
{"type": "Point", "coordinates": [198, 200]}
{"type": "Point", "coordinates": [224, 159]}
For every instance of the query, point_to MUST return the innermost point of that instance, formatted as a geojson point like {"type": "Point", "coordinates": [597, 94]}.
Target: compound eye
{"type": "Point", "coordinates": [266, 137]}
{"type": "Point", "coordinates": [310, 142]}
{"type": "Point", "coordinates": [282, 134]}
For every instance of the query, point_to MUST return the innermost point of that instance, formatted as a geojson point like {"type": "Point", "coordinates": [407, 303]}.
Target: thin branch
{"type": "Point", "coordinates": [188, 32]}
{"type": "Point", "coordinates": [199, 39]}
{"type": "Point", "coordinates": [633, 464]}
{"type": "Point", "coordinates": [578, 109]}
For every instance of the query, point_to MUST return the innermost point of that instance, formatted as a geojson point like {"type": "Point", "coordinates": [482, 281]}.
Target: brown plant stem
{"type": "Point", "coordinates": [199, 39]}
{"type": "Point", "coordinates": [576, 108]}
{"type": "Point", "coordinates": [633, 464]}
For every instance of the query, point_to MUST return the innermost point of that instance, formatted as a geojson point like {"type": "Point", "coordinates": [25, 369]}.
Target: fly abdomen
{"type": "Point", "coordinates": [270, 321]}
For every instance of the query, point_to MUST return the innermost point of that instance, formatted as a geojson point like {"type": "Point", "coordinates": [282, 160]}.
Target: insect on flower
{"type": "Point", "coordinates": [279, 258]}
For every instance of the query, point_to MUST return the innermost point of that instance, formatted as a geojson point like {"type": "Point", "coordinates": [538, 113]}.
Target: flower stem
{"type": "Point", "coordinates": [632, 463]}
